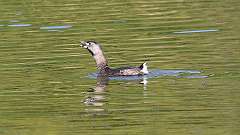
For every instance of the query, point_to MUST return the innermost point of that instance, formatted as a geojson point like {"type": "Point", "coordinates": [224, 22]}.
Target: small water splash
{"type": "Point", "coordinates": [196, 31]}
{"type": "Point", "coordinates": [157, 73]}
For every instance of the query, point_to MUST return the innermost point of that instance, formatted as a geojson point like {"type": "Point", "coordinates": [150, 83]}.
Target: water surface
{"type": "Point", "coordinates": [45, 84]}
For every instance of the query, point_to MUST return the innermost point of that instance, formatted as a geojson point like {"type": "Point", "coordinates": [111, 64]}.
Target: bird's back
{"type": "Point", "coordinates": [124, 71]}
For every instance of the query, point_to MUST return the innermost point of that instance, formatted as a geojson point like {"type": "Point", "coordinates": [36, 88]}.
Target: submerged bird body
{"type": "Point", "coordinates": [102, 64]}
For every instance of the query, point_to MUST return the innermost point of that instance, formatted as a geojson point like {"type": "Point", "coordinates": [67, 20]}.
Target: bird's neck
{"type": "Point", "coordinates": [100, 60]}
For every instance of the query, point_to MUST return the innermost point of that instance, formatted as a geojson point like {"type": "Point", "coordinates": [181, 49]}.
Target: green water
{"type": "Point", "coordinates": [45, 86]}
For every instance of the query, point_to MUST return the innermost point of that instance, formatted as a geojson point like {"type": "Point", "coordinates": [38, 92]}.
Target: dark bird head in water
{"type": "Point", "coordinates": [92, 46]}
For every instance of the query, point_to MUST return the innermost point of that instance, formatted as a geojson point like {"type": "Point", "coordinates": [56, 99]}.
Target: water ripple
{"type": "Point", "coordinates": [19, 25]}
{"type": "Point", "coordinates": [196, 31]}
{"type": "Point", "coordinates": [55, 27]}
{"type": "Point", "coordinates": [157, 73]}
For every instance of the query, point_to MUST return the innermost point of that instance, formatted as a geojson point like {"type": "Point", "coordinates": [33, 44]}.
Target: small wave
{"type": "Point", "coordinates": [55, 27]}
{"type": "Point", "coordinates": [14, 21]}
{"type": "Point", "coordinates": [19, 25]}
{"type": "Point", "coordinates": [195, 31]}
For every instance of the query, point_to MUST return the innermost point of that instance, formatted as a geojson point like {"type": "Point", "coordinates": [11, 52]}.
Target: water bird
{"type": "Point", "coordinates": [102, 64]}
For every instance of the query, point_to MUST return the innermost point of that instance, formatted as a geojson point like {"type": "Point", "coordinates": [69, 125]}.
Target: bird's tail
{"type": "Point", "coordinates": [144, 68]}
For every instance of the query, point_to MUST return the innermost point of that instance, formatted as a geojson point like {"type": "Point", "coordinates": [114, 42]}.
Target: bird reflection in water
{"type": "Point", "coordinates": [96, 96]}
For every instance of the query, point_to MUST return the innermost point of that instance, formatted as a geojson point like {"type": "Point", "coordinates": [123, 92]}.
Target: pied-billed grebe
{"type": "Point", "coordinates": [102, 64]}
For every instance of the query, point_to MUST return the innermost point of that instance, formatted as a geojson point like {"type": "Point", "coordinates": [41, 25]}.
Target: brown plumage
{"type": "Point", "coordinates": [102, 64]}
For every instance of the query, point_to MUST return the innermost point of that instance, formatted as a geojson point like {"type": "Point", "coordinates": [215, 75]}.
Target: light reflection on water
{"type": "Point", "coordinates": [55, 27]}
{"type": "Point", "coordinates": [196, 31]}
{"type": "Point", "coordinates": [19, 25]}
